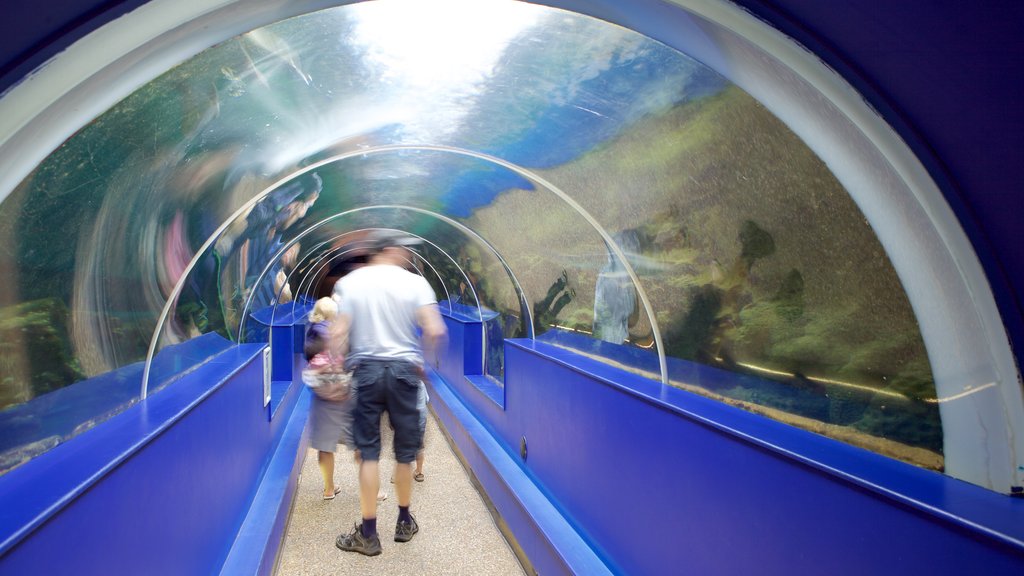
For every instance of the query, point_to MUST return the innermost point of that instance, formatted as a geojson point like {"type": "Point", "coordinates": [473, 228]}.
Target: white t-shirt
{"type": "Point", "coordinates": [381, 301]}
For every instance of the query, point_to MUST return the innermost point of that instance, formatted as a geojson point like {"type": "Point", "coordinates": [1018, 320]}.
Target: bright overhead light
{"type": "Point", "coordinates": [439, 43]}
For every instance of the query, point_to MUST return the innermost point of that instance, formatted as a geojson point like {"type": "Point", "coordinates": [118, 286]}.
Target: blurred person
{"type": "Point", "coordinates": [421, 405]}
{"type": "Point", "coordinates": [331, 410]}
{"type": "Point", "coordinates": [380, 306]}
{"type": "Point", "coordinates": [265, 230]}
{"type": "Point", "coordinates": [616, 306]}
{"type": "Point", "coordinates": [545, 312]}
{"type": "Point", "coordinates": [288, 261]}
{"type": "Point", "coordinates": [282, 288]}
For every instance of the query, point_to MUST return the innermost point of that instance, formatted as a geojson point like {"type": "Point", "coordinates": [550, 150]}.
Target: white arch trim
{"type": "Point", "coordinates": [977, 379]}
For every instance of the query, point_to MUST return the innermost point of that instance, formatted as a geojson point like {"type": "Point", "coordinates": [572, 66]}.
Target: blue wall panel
{"type": "Point", "coordinates": [654, 478]}
{"type": "Point", "coordinates": [262, 533]}
{"type": "Point", "coordinates": [464, 352]}
{"type": "Point", "coordinates": [660, 478]}
{"type": "Point", "coordinates": [463, 358]}
{"type": "Point", "coordinates": [193, 456]}
{"type": "Point", "coordinates": [551, 546]}
{"type": "Point", "coordinates": [282, 351]}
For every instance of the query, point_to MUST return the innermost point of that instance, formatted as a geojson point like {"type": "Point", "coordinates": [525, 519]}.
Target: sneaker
{"type": "Point", "coordinates": [356, 542]}
{"type": "Point", "coordinates": [404, 531]}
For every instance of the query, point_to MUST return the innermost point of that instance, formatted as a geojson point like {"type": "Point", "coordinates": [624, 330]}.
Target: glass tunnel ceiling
{"type": "Point", "coordinates": [573, 181]}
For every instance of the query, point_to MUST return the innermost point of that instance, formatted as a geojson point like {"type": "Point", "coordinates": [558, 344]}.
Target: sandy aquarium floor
{"type": "Point", "coordinates": [457, 532]}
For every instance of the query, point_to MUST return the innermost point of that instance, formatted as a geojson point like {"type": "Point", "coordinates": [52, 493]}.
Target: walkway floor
{"type": "Point", "coordinates": [457, 532]}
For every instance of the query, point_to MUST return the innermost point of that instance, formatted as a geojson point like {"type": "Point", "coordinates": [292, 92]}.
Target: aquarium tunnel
{"type": "Point", "coordinates": [730, 287]}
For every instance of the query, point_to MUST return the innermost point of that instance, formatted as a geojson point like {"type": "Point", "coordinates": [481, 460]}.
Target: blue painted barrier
{"type": "Point", "coordinates": [708, 488]}
{"type": "Point", "coordinates": [162, 488]}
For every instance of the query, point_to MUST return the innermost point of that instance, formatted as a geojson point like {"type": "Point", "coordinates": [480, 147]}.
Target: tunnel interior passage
{"type": "Point", "coordinates": [646, 205]}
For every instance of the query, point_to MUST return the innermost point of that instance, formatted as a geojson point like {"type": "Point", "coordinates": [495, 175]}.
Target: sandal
{"type": "Point", "coordinates": [337, 490]}
{"type": "Point", "coordinates": [418, 477]}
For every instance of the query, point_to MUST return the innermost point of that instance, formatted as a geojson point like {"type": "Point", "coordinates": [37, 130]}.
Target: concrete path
{"type": "Point", "coordinates": [457, 532]}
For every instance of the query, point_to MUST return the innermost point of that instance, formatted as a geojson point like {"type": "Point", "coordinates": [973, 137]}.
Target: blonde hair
{"type": "Point", "coordinates": [325, 309]}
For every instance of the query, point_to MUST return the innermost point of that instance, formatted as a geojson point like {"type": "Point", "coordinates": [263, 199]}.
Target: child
{"type": "Point", "coordinates": [331, 411]}
{"type": "Point", "coordinates": [325, 374]}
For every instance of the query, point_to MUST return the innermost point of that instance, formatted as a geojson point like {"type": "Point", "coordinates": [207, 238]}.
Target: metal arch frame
{"type": "Point", "coordinates": [543, 183]}
{"type": "Point", "coordinates": [520, 292]}
{"type": "Point", "coordinates": [275, 259]}
{"type": "Point", "coordinates": [317, 265]}
{"type": "Point", "coordinates": [331, 255]}
{"type": "Point", "coordinates": [277, 297]}
{"type": "Point", "coordinates": [537, 180]}
{"type": "Point", "coordinates": [106, 65]}
{"type": "Point", "coordinates": [421, 258]}
{"type": "Point", "coordinates": [248, 206]}
{"type": "Point", "coordinates": [463, 228]}
{"type": "Point", "coordinates": [523, 302]}
{"type": "Point", "coordinates": [286, 247]}
{"type": "Point", "coordinates": [334, 254]}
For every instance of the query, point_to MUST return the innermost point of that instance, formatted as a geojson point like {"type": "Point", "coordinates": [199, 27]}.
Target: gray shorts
{"type": "Point", "coordinates": [331, 424]}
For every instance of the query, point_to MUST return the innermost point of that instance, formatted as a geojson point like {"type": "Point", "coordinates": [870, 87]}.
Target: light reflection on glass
{"type": "Point", "coordinates": [770, 290]}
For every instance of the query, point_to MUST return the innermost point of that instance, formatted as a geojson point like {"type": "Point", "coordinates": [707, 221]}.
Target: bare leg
{"type": "Point", "coordinates": [419, 462]}
{"type": "Point", "coordinates": [369, 484]}
{"type": "Point", "coordinates": [326, 462]}
{"type": "Point", "coordinates": [403, 483]}
{"type": "Point", "coordinates": [381, 494]}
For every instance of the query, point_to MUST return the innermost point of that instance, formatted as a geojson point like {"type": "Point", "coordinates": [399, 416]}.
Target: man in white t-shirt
{"type": "Point", "coordinates": [381, 305]}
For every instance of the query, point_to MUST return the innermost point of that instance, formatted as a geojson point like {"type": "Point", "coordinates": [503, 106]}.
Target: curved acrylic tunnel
{"type": "Point", "coordinates": [655, 206]}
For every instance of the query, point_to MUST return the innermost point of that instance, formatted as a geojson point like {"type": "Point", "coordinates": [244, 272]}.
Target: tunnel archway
{"type": "Point", "coordinates": [744, 314]}
{"type": "Point", "coordinates": [732, 44]}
